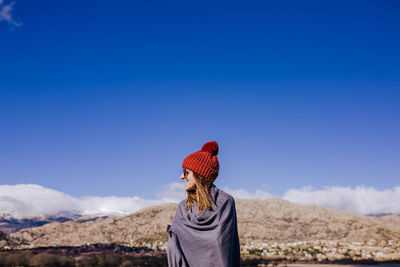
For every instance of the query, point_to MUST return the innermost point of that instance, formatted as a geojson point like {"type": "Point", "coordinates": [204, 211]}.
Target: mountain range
{"type": "Point", "coordinates": [268, 220]}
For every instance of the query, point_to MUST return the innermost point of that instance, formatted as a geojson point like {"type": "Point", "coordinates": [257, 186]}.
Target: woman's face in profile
{"type": "Point", "coordinates": [188, 178]}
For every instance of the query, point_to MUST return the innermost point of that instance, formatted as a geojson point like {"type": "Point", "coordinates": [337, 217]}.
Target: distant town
{"type": "Point", "coordinates": [302, 250]}
{"type": "Point", "coordinates": [320, 250]}
{"type": "Point", "coordinates": [371, 252]}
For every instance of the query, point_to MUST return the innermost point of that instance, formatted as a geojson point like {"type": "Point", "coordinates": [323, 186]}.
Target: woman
{"type": "Point", "coordinates": [204, 230]}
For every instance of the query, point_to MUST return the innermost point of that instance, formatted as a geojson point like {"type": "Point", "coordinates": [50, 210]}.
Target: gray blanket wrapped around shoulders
{"type": "Point", "coordinates": [207, 238]}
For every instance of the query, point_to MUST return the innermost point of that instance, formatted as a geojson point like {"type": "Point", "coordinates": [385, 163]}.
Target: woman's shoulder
{"type": "Point", "coordinates": [182, 203]}
{"type": "Point", "coordinates": [224, 196]}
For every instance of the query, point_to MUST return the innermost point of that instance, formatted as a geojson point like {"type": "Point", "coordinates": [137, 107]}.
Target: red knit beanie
{"type": "Point", "coordinates": [204, 162]}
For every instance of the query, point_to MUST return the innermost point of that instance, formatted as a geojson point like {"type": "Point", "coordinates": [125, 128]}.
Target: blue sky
{"type": "Point", "coordinates": [107, 98]}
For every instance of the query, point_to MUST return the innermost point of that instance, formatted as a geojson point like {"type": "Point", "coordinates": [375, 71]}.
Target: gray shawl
{"type": "Point", "coordinates": [207, 238]}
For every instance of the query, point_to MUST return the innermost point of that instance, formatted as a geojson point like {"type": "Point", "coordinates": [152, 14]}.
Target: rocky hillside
{"type": "Point", "coordinates": [280, 220]}
{"type": "Point", "coordinates": [391, 220]}
{"type": "Point", "coordinates": [148, 224]}
{"type": "Point", "coordinates": [258, 220]}
{"type": "Point", "coordinates": [9, 224]}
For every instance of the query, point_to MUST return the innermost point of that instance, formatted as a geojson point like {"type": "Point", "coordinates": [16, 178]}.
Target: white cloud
{"type": "Point", "coordinates": [6, 13]}
{"type": "Point", "coordinates": [241, 193]}
{"type": "Point", "coordinates": [30, 200]}
{"type": "Point", "coordinates": [173, 192]}
{"type": "Point", "coordinates": [115, 205]}
{"type": "Point", "coordinates": [361, 199]}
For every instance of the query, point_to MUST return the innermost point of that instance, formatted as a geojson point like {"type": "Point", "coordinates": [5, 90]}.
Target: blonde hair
{"type": "Point", "coordinates": [200, 194]}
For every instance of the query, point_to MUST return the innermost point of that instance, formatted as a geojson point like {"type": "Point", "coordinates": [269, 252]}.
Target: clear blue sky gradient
{"type": "Point", "coordinates": [107, 98]}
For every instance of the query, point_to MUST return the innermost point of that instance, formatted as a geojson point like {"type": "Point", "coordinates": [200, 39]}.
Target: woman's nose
{"type": "Point", "coordinates": [182, 176]}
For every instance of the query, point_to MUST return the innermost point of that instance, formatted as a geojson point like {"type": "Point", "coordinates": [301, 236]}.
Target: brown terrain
{"type": "Point", "coordinates": [266, 220]}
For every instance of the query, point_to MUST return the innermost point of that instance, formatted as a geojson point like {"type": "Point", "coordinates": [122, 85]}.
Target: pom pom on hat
{"type": "Point", "coordinates": [211, 147]}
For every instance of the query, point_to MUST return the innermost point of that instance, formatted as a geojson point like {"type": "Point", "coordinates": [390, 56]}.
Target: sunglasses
{"type": "Point", "coordinates": [185, 172]}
